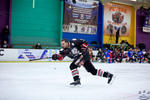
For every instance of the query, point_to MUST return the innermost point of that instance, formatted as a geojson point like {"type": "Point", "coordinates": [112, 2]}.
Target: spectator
{"type": "Point", "coordinates": [142, 46]}
{"type": "Point", "coordinates": [108, 55]}
{"type": "Point", "coordinates": [140, 56]}
{"type": "Point", "coordinates": [147, 56]}
{"type": "Point", "coordinates": [91, 54]}
{"type": "Point", "coordinates": [100, 55]}
{"type": "Point", "coordinates": [117, 35]}
{"type": "Point", "coordinates": [5, 34]}
{"type": "Point", "coordinates": [4, 44]}
{"type": "Point", "coordinates": [38, 46]}
{"type": "Point", "coordinates": [130, 55]}
{"type": "Point", "coordinates": [125, 45]}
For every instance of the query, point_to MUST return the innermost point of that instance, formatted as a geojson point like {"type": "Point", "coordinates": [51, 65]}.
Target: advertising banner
{"type": "Point", "coordinates": [117, 16]}
{"type": "Point", "coordinates": [28, 54]}
{"type": "Point", "coordinates": [81, 17]}
{"type": "Point", "coordinates": [146, 27]}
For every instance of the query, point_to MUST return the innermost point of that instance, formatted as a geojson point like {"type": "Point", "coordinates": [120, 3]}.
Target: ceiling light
{"type": "Point", "coordinates": [133, 0]}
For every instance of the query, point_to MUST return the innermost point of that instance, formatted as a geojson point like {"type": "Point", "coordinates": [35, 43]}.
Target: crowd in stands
{"type": "Point", "coordinates": [104, 55]}
{"type": "Point", "coordinates": [119, 55]}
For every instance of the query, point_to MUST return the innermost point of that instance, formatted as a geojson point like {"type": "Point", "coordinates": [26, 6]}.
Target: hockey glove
{"type": "Point", "coordinates": [54, 56]}
{"type": "Point", "coordinates": [57, 57]}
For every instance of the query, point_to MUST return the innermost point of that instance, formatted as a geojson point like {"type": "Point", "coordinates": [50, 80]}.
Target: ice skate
{"type": "Point", "coordinates": [111, 77]}
{"type": "Point", "coordinates": [75, 83]}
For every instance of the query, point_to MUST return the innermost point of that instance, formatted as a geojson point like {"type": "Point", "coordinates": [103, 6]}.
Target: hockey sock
{"type": "Point", "coordinates": [102, 73]}
{"type": "Point", "coordinates": [75, 74]}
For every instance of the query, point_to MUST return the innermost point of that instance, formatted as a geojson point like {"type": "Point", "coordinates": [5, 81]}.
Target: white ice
{"type": "Point", "coordinates": [50, 81]}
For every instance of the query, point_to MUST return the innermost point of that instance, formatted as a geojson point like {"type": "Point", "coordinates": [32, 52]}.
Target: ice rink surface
{"type": "Point", "coordinates": [50, 81]}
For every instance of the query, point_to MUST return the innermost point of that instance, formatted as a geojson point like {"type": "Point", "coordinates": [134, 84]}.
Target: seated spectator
{"type": "Point", "coordinates": [91, 54]}
{"type": "Point", "coordinates": [38, 46]}
{"type": "Point", "coordinates": [130, 55]}
{"type": "Point", "coordinates": [125, 45]}
{"type": "Point", "coordinates": [147, 56]}
{"type": "Point", "coordinates": [100, 55]}
{"type": "Point", "coordinates": [4, 44]}
{"type": "Point", "coordinates": [108, 55]}
{"type": "Point", "coordinates": [140, 56]}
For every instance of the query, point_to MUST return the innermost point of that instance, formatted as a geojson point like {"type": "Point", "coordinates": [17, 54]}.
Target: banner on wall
{"type": "Point", "coordinates": [146, 27]}
{"type": "Point", "coordinates": [117, 16]}
{"type": "Point", "coordinates": [81, 17]}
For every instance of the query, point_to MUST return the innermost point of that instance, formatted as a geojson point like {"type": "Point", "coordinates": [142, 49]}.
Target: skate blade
{"type": "Point", "coordinates": [112, 80]}
{"type": "Point", "coordinates": [75, 86]}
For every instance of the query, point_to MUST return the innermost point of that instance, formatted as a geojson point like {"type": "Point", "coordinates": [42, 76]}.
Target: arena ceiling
{"type": "Point", "coordinates": [136, 3]}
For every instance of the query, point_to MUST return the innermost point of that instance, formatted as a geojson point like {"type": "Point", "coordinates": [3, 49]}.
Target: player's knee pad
{"type": "Point", "coordinates": [93, 72]}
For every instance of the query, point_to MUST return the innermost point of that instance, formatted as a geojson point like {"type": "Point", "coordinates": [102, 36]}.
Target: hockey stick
{"type": "Point", "coordinates": [40, 58]}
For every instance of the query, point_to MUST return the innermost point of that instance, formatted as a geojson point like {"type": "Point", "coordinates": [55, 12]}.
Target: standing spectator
{"type": "Point", "coordinates": [142, 46]}
{"type": "Point", "coordinates": [5, 34]}
{"type": "Point", "coordinates": [38, 46]}
{"type": "Point", "coordinates": [4, 44]}
{"type": "Point", "coordinates": [117, 35]}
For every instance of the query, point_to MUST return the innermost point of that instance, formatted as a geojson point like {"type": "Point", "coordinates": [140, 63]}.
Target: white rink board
{"type": "Point", "coordinates": [27, 54]}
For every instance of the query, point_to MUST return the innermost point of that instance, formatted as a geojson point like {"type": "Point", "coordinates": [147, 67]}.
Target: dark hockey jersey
{"type": "Point", "coordinates": [77, 47]}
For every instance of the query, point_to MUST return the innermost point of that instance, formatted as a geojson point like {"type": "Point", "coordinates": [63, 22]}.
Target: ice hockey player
{"type": "Point", "coordinates": [77, 49]}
